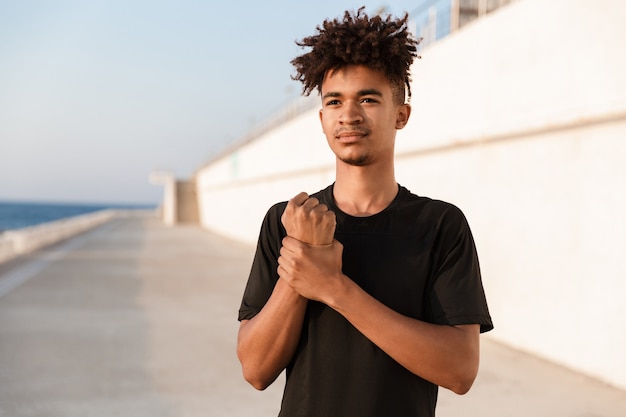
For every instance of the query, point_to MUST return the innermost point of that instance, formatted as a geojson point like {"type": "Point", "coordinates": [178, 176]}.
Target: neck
{"type": "Point", "coordinates": [363, 191]}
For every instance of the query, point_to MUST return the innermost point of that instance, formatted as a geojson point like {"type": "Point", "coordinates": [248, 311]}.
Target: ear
{"type": "Point", "coordinates": [321, 115]}
{"type": "Point", "coordinates": [402, 116]}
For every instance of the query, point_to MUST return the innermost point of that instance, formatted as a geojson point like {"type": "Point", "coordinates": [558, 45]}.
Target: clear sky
{"type": "Point", "coordinates": [97, 94]}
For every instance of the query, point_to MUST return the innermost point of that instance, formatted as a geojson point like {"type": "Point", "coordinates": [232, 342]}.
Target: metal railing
{"type": "Point", "coordinates": [435, 19]}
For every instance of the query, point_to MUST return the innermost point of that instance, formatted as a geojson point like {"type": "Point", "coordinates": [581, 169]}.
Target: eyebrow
{"type": "Point", "coordinates": [361, 93]}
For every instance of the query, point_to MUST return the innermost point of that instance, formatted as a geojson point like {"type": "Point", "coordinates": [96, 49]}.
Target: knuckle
{"type": "Point", "coordinates": [311, 203]}
{"type": "Point", "coordinates": [321, 209]}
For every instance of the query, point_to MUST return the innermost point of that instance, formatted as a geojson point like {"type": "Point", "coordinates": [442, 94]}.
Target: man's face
{"type": "Point", "coordinates": [359, 117]}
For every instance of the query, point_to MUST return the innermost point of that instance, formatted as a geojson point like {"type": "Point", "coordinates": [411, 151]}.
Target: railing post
{"type": "Point", "coordinates": [454, 15]}
{"type": "Point", "coordinates": [482, 8]}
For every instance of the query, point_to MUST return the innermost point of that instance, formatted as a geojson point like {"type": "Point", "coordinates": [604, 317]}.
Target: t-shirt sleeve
{"type": "Point", "coordinates": [263, 273]}
{"type": "Point", "coordinates": [457, 294]}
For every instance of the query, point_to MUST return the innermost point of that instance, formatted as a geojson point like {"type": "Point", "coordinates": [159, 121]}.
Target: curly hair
{"type": "Point", "coordinates": [380, 44]}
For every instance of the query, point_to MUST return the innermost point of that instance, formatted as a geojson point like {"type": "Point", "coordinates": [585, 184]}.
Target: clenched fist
{"type": "Point", "coordinates": [309, 221]}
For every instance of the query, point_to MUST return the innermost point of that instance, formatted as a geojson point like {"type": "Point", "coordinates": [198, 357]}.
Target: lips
{"type": "Point", "coordinates": [351, 135]}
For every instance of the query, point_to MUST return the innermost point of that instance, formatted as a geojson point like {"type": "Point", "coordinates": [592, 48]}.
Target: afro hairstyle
{"type": "Point", "coordinates": [380, 44]}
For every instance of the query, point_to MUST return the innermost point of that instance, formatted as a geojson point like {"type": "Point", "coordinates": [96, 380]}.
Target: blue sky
{"type": "Point", "coordinates": [95, 95]}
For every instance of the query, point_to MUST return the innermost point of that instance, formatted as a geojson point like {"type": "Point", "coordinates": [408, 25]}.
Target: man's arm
{"type": "Point", "coordinates": [444, 355]}
{"type": "Point", "coordinates": [266, 343]}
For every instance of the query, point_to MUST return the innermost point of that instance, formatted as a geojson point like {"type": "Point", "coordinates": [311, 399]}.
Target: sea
{"type": "Point", "coordinates": [18, 215]}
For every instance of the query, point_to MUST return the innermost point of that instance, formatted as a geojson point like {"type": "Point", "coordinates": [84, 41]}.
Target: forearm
{"type": "Point", "coordinates": [267, 342]}
{"type": "Point", "coordinates": [445, 355]}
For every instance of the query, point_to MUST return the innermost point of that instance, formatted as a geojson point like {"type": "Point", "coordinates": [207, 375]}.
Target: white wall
{"type": "Point", "coordinates": [519, 119]}
{"type": "Point", "coordinates": [236, 190]}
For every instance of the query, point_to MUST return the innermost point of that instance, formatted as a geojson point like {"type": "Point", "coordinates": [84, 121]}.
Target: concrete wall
{"type": "Point", "coordinates": [14, 243]}
{"type": "Point", "coordinates": [180, 199]}
{"type": "Point", "coordinates": [168, 209]}
{"type": "Point", "coordinates": [187, 202]}
{"type": "Point", "coordinates": [519, 119]}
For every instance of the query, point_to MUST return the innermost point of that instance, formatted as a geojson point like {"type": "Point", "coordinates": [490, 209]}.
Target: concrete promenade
{"type": "Point", "coordinates": [137, 319]}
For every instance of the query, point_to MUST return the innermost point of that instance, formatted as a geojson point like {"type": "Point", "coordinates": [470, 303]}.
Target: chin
{"type": "Point", "coordinates": [357, 161]}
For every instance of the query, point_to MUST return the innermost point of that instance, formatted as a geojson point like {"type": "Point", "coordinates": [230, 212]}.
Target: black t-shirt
{"type": "Point", "coordinates": [417, 257]}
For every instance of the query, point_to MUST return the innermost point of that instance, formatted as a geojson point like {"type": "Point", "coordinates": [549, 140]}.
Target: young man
{"type": "Point", "coordinates": [369, 296]}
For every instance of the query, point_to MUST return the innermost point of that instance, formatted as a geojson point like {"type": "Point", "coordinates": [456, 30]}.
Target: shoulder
{"type": "Point", "coordinates": [272, 221]}
{"type": "Point", "coordinates": [444, 222]}
{"type": "Point", "coordinates": [324, 196]}
{"type": "Point", "coordinates": [276, 210]}
{"type": "Point", "coordinates": [429, 208]}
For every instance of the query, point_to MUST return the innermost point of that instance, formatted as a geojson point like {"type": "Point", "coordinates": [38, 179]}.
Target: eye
{"type": "Point", "coordinates": [332, 102]}
{"type": "Point", "coordinates": [369, 100]}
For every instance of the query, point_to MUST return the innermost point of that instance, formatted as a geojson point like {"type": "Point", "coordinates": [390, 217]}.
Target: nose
{"type": "Point", "coordinates": [351, 113]}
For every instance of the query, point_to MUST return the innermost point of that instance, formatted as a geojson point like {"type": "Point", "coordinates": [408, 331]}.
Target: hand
{"type": "Point", "coordinates": [309, 221]}
{"type": "Point", "coordinates": [312, 271]}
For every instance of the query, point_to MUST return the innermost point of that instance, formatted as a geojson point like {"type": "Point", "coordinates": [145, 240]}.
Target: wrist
{"type": "Point", "coordinates": [320, 245]}
{"type": "Point", "coordinates": [287, 293]}
{"type": "Point", "coordinates": [340, 291]}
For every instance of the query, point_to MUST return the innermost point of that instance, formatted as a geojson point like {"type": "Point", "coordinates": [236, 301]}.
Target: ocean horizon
{"type": "Point", "coordinates": [21, 214]}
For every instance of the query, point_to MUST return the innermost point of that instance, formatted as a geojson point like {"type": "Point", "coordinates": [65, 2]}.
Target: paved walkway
{"type": "Point", "coordinates": [137, 319]}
